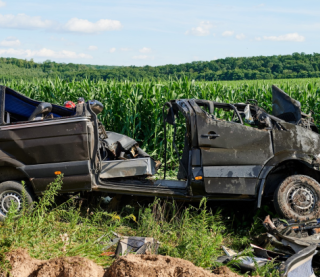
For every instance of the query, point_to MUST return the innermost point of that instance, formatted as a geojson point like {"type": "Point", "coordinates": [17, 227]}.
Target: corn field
{"type": "Point", "coordinates": [135, 108]}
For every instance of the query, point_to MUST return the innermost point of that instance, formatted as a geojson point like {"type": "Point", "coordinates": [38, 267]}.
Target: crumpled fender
{"type": "Point", "coordinates": [310, 159]}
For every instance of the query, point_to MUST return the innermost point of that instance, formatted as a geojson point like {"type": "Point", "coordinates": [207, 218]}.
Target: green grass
{"type": "Point", "coordinates": [188, 232]}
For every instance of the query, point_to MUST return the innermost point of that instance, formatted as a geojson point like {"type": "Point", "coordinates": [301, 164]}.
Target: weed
{"type": "Point", "coordinates": [49, 230]}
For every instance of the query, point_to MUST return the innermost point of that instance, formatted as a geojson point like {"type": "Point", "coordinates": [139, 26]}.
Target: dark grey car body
{"type": "Point", "coordinates": [222, 159]}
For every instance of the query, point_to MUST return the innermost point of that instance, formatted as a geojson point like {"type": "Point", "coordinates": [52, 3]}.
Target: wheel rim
{"type": "Point", "coordinates": [302, 198]}
{"type": "Point", "coordinates": [7, 199]}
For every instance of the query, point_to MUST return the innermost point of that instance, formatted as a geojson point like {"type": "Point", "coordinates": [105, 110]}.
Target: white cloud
{"type": "Point", "coordinates": [124, 49]}
{"type": "Point", "coordinates": [112, 50]}
{"type": "Point", "coordinates": [202, 30]}
{"type": "Point", "coordinates": [258, 38]}
{"type": "Point", "coordinates": [10, 42]}
{"type": "Point", "coordinates": [288, 37]}
{"type": "Point", "coordinates": [240, 36]}
{"type": "Point", "coordinates": [23, 21]}
{"type": "Point", "coordinates": [92, 48]}
{"type": "Point", "coordinates": [43, 53]}
{"type": "Point", "coordinates": [145, 50]}
{"type": "Point", "coordinates": [85, 26]}
{"type": "Point", "coordinates": [2, 3]}
{"type": "Point", "coordinates": [227, 33]}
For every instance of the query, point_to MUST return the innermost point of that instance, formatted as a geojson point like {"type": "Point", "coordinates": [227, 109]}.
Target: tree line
{"type": "Point", "coordinates": [297, 65]}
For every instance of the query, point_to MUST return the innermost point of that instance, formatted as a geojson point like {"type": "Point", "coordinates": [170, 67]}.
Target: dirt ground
{"type": "Point", "coordinates": [22, 265]}
{"type": "Point", "coordinates": [160, 266]}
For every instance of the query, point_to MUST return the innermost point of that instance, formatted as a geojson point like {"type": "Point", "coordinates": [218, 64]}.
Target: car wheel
{"type": "Point", "coordinates": [297, 197]}
{"type": "Point", "coordinates": [12, 192]}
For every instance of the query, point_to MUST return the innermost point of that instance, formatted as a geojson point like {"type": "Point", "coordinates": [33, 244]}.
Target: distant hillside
{"type": "Point", "coordinates": [297, 65]}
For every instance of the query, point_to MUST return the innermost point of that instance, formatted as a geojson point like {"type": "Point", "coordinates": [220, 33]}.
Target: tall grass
{"type": "Point", "coordinates": [72, 228]}
{"type": "Point", "coordinates": [135, 108]}
{"type": "Point", "coordinates": [195, 234]}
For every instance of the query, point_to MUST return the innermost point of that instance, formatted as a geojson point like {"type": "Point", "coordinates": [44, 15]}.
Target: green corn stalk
{"type": "Point", "coordinates": [135, 108]}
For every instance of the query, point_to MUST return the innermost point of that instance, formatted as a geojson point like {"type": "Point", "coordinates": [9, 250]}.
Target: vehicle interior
{"type": "Point", "coordinates": [19, 108]}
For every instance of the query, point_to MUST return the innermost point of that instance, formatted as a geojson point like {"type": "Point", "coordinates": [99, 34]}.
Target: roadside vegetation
{"type": "Point", "coordinates": [75, 227]}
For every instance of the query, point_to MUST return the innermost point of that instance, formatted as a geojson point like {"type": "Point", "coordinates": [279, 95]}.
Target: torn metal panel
{"type": "Point", "coordinates": [244, 171]}
{"type": "Point", "coordinates": [300, 264]}
{"type": "Point", "coordinates": [126, 168]}
{"type": "Point", "coordinates": [284, 107]}
{"type": "Point", "coordinates": [125, 141]}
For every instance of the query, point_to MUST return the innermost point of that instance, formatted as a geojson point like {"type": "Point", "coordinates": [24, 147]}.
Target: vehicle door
{"type": "Point", "coordinates": [232, 154]}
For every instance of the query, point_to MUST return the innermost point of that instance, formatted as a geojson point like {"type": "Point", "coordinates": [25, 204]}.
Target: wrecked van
{"type": "Point", "coordinates": [231, 152]}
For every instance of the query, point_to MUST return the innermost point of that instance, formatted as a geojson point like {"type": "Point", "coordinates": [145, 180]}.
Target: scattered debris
{"type": "Point", "coordinates": [242, 262]}
{"type": "Point", "coordinates": [295, 246]}
{"type": "Point", "coordinates": [301, 238]}
{"type": "Point", "coordinates": [137, 245]}
{"type": "Point", "coordinates": [300, 264]}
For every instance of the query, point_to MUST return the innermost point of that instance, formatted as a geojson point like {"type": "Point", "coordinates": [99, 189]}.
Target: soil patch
{"type": "Point", "coordinates": [22, 265]}
{"type": "Point", "coordinates": [160, 266]}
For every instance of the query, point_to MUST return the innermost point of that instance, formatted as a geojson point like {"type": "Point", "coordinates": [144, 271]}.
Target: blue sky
{"type": "Point", "coordinates": [153, 32]}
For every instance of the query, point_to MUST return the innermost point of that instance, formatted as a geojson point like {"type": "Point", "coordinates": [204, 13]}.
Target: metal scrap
{"type": "Point", "coordinates": [130, 244]}
{"type": "Point", "coordinates": [300, 237]}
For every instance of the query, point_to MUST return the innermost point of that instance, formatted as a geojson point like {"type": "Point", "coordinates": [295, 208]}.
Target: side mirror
{"type": "Point", "coordinates": [43, 108]}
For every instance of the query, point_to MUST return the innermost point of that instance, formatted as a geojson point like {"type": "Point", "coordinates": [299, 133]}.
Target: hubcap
{"type": "Point", "coordinates": [302, 199]}
{"type": "Point", "coordinates": [9, 198]}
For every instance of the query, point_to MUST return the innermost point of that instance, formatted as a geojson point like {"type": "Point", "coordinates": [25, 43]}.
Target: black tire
{"type": "Point", "coordinates": [297, 197]}
{"type": "Point", "coordinates": [13, 191]}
